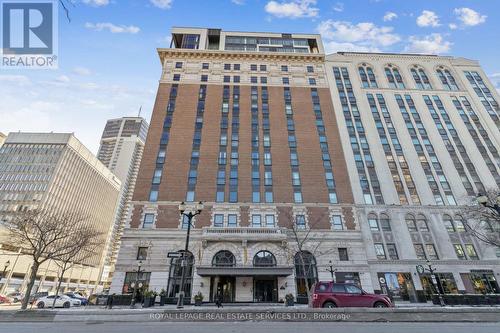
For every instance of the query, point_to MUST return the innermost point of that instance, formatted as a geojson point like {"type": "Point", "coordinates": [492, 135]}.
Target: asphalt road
{"type": "Point", "coordinates": [249, 327]}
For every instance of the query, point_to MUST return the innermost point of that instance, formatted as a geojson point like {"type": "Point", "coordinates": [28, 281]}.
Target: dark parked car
{"type": "Point", "coordinates": [326, 294]}
{"type": "Point", "coordinates": [82, 299]}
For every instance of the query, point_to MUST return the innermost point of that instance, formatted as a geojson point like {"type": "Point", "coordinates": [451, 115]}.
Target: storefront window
{"type": "Point", "coordinates": [483, 282]}
{"type": "Point", "coordinates": [174, 279]}
{"type": "Point", "coordinates": [445, 282]}
{"type": "Point", "coordinates": [142, 282]}
{"type": "Point", "coordinates": [398, 286]}
{"type": "Point", "coordinates": [348, 277]}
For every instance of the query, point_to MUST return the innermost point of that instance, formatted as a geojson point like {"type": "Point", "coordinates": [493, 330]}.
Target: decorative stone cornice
{"type": "Point", "coordinates": [165, 53]}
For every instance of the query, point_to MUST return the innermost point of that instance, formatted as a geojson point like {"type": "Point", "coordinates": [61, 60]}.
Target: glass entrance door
{"type": "Point", "coordinates": [265, 289]}
{"type": "Point", "coordinates": [225, 286]}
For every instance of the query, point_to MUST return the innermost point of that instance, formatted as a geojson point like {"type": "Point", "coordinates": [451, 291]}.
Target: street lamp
{"type": "Point", "coordinates": [421, 269]}
{"type": "Point", "coordinates": [7, 264]}
{"type": "Point", "coordinates": [331, 270]}
{"type": "Point", "coordinates": [132, 302]}
{"type": "Point", "coordinates": [483, 200]}
{"type": "Point", "coordinates": [184, 262]}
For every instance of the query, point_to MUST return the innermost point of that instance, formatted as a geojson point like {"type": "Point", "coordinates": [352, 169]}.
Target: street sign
{"type": "Point", "coordinates": [420, 269]}
{"type": "Point", "coordinates": [381, 280]}
{"type": "Point", "coordinates": [174, 255]}
{"type": "Point", "coordinates": [433, 278]}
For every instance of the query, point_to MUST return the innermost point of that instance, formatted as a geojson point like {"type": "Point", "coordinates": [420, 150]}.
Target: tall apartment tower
{"type": "Point", "coordinates": [55, 172]}
{"type": "Point", "coordinates": [421, 136]}
{"type": "Point", "coordinates": [243, 122]}
{"type": "Point", "coordinates": [122, 145]}
{"type": "Point", "coordinates": [275, 137]}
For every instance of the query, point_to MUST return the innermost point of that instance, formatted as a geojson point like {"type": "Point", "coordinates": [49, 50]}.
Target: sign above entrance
{"type": "Point", "coordinates": [174, 255]}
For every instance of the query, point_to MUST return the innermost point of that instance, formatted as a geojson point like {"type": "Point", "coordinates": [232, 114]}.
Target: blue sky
{"type": "Point", "coordinates": [108, 66]}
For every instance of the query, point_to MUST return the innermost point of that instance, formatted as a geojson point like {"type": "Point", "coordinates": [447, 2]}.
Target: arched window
{"type": "Point", "coordinates": [421, 79]}
{"type": "Point", "coordinates": [459, 223]}
{"type": "Point", "coordinates": [394, 77]}
{"type": "Point", "coordinates": [448, 223]}
{"type": "Point", "coordinates": [447, 79]}
{"type": "Point", "coordinates": [367, 76]}
{"type": "Point", "coordinates": [264, 259]}
{"type": "Point", "coordinates": [373, 222]}
{"type": "Point", "coordinates": [224, 259]}
{"type": "Point", "coordinates": [422, 223]}
{"type": "Point", "coordinates": [174, 278]}
{"type": "Point", "coordinates": [306, 274]}
{"type": "Point", "coordinates": [411, 222]}
{"type": "Point", "coordinates": [385, 222]}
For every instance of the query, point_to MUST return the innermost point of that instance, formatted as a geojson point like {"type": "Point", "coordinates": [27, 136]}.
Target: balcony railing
{"type": "Point", "coordinates": [243, 232]}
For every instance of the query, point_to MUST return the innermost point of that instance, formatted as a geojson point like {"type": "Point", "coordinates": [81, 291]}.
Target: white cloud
{"type": "Point", "coordinates": [96, 3]}
{"type": "Point", "coordinates": [469, 17]}
{"type": "Point", "coordinates": [389, 16]}
{"type": "Point", "coordinates": [428, 19]}
{"type": "Point", "coordinates": [238, 2]}
{"type": "Point", "coordinates": [163, 4]}
{"type": "Point", "coordinates": [363, 37]}
{"type": "Point", "coordinates": [453, 26]}
{"type": "Point", "coordinates": [292, 9]}
{"type": "Point", "coordinates": [112, 28]}
{"type": "Point", "coordinates": [20, 80]}
{"type": "Point", "coordinates": [339, 7]}
{"type": "Point", "coordinates": [81, 71]}
{"type": "Point", "coordinates": [63, 79]}
{"type": "Point", "coordinates": [431, 44]}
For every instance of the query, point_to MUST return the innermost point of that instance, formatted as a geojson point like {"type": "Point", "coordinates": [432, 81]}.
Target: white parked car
{"type": "Point", "coordinates": [62, 301]}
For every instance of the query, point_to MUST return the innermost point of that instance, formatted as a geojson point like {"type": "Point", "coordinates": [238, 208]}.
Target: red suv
{"type": "Point", "coordinates": [332, 295]}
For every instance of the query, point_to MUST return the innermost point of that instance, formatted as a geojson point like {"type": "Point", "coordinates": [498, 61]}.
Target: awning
{"type": "Point", "coordinates": [244, 271]}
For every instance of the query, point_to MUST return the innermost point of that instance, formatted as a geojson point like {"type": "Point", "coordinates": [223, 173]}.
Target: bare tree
{"type": "Point", "coordinates": [42, 236]}
{"type": "Point", "coordinates": [85, 246]}
{"type": "Point", "coordinates": [305, 240]}
{"type": "Point", "coordinates": [482, 217]}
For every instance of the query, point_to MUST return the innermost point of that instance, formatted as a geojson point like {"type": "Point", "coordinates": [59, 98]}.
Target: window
{"type": "Point", "coordinates": [431, 252]}
{"type": "Point", "coordinates": [393, 252]}
{"type": "Point", "coordinates": [411, 223]}
{"type": "Point", "coordinates": [306, 273]}
{"type": "Point", "coordinates": [177, 77]}
{"type": "Point", "coordinates": [448, 223]}
{"type": "Point", "coordinates": [284, 68]}
{"type": "Point", "coordinates": [148, 221]}
{"type": "Point", "coordinates": [270, 221]}
{"type": "Point", "coordinates": [337, 222]}
{"type": "Point", "coordinates": [236, 79]}
{"type": "Point", "coordinates": [343, 255]}
{"type": "Point", "coordinates": [459, 224]}
{"type": "Point", "coordinates": [471, 252]}
{"type": "Point", "coordinates": [218, 220]}
{"type": "Point", "coordinates": [263, 68]}
{"type": "Point", "coordinates": [223, 259]}
{"type": "Point", "coordinates": [310, 69]}
{"type": "Point", "coordinates": [352, 289]}
{"type": "Point", "coordinates": [312, 81]}
{"type": "Point", "coordinates": [175, 275]}
{"type": "Point", "coordinates": [300, 221]}
{"type": "Point", "coordinates": [204, 65]}
{"type": "Point", "coordinates": [379, 251]}
{"type": "Point", "coordinates": [157, 176]}
{"type": "Point", "coordinates": [227, 78]}
{"type": "Point", "coordinates": [297, 197]}
{"type": "Point", "coordinates": [219, 197]}
{"type": "Point", "coordinates": [385, 223]}
{"type": "Point", "coordinates": [372, 222]}
{"type": "Point", "coordinates": [190, 196]}
{"type": "Point", "coordinates": [142, 253]}
{"type": "Point", "coordinates": [459, 250]}
{"type": "Point", "coordinates": [232, 220]}
{"type": "Point", "coordinates": [178, 64]}
{"type": "Point", "coordinates": [253, 79]}
{"type": "Point", "coordinates": [263, 79]}
{"type": "Point", "coordinates": [422, 223]}
{"type": "Point", "coordinates": [153, 196]}
{"type": "Point", "coordinates": [236, 67]}
{"type": "Point", "coordinates": [256, 221]}
{"type": "Point", "coordinates": [285, 80]}
{"type": "Point", "coordinates": [185, 222]}
{"type": "Point", "coordinates": [253, 67]}
{"type": "Point", "coordinates": [204, 78]}
{"type": "Point", "coordinates": [264, 259]}
{"type": "Point", "coordinates": [269, 197]}
{"type": "Point", "coordinates": [419, 250]}
{"type": "Point", "coordinates": [227, 67]}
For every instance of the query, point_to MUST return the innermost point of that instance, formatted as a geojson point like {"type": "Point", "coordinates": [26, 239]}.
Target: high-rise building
{"type": "Point", "coordinates": [276, 137]}
{"type": "Point", "coordinates": [122, 145]}
{"type": "Point", "coordinates": [2, 138]}
{"type": "Point", "coordinates": [57, 173]}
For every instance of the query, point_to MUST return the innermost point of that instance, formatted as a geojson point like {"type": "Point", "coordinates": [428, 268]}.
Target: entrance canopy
{"type": "Point", "coordinates": [244, 271]}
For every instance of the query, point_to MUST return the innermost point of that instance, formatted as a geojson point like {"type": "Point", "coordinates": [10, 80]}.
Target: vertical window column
{"type": "Point", "coordinates": [323, 143]}
{"type": "Point", "coordinates": [393, 150]}
{"type": "Point", "coordinates": [266, 131]}
{"type": "Point", "coordinates": [361, 150]}
{"type": "Point", "coordinates": [222, 160]}
{"type": "Point", "coordinates": [162, 151]}
{"type": "Point", "coordinates": [292, 145]}
{"type": "Point", "coordinates": [443, 132]}
{"type": "Point", "coordinates": [485, 96]}
{"type": "Point", "coordinates": [195, 150]}
{"type": "Point", "coordinates": [235, 129]}
{"type": "Point", "coordinates": [255, 144]}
